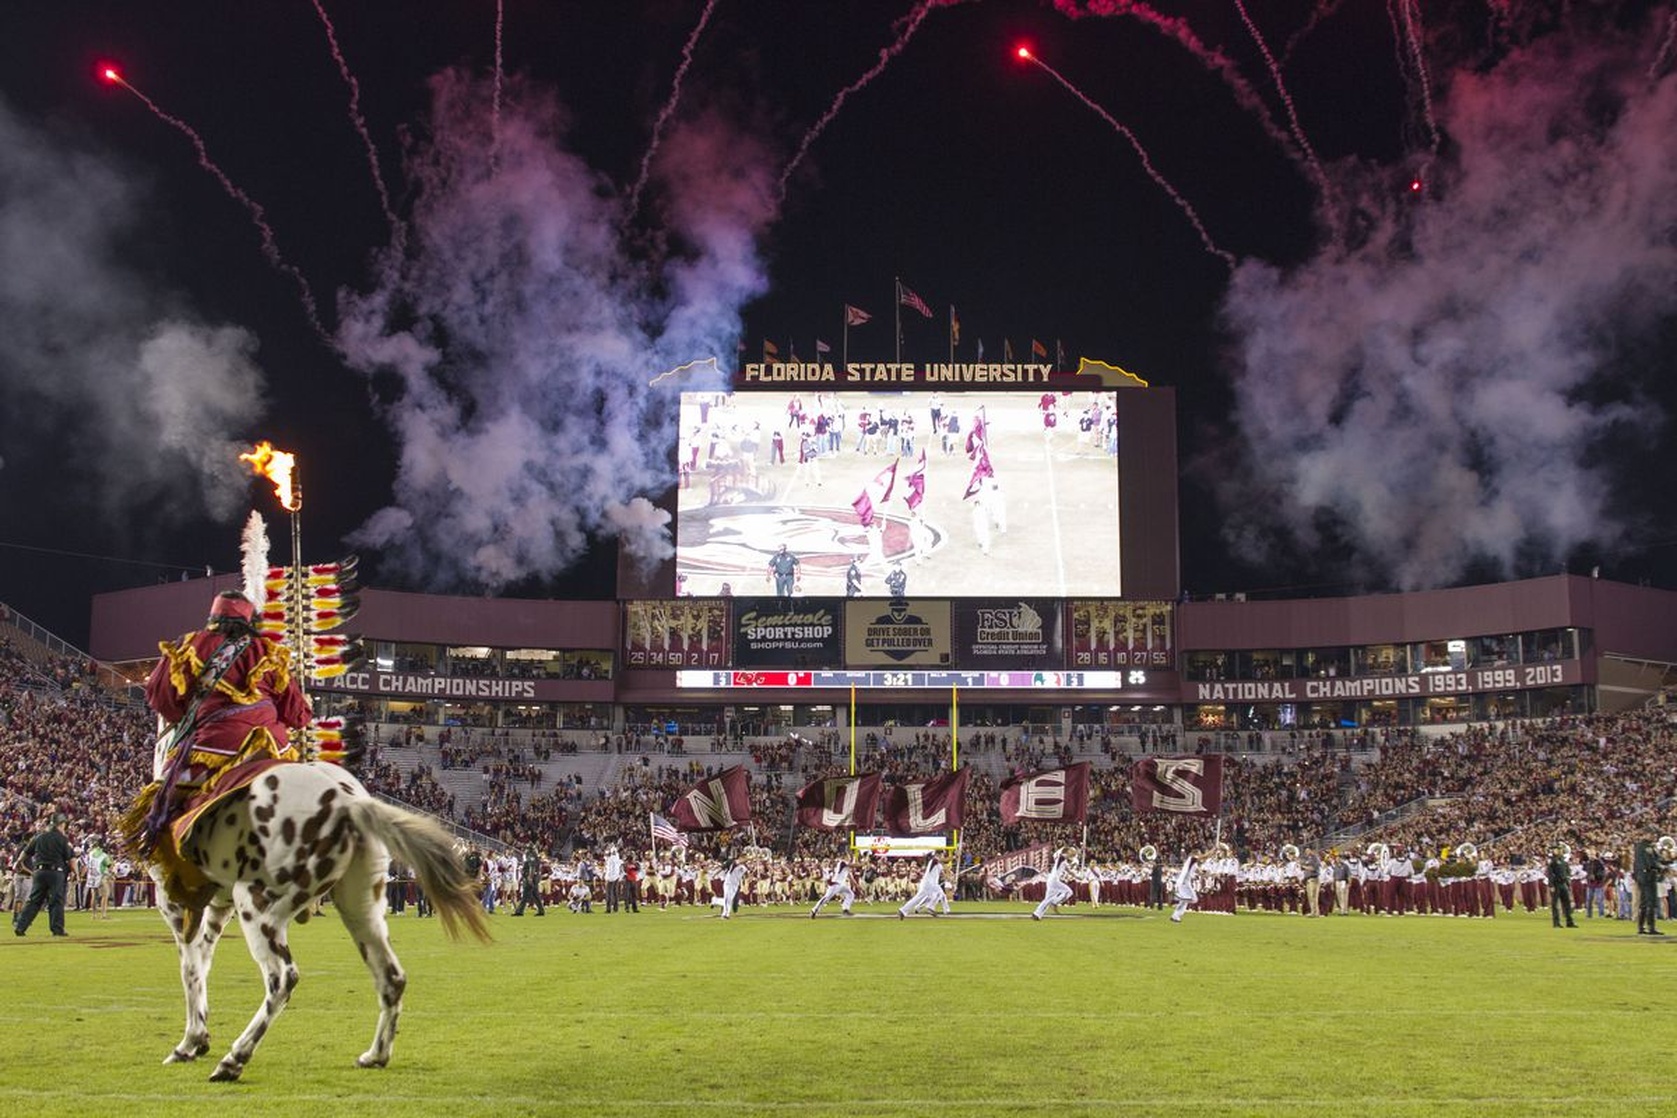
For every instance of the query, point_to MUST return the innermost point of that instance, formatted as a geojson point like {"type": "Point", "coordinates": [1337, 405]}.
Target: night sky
{"type": "Point", "coordinates": [1443, 351]}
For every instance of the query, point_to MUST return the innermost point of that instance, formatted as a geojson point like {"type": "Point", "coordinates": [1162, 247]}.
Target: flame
{"type": "Point", "coordinates": [277, 467]}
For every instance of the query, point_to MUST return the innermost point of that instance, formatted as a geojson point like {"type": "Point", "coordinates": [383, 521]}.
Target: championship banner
{"type": "Point", "coordinates": [839, 803]}
{"type": "Point", "coordinates": [1010, 633]}
{"type": "Point", "coordinates": [1183, 785]}
{"type": "Point", "coordinates": [896, 632]}
{"type": "Point", "coordinates": [786, 632]}
{"type": "Point", "coordinates": [928, 806]}
{"type": "Point", "coordinates": [1051, 796]}
{"type": "Point", "coordinates": [716, 803]}
{"type": "Point", "coordinates": [685, 633]}
{"type": "Point", "coordinates": [1109, 634]}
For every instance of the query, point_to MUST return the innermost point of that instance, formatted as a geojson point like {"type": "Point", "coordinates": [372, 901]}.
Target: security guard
{"type": "Point", "coordinates": [47, 857]}
{"type": "Point", "coordinates": [1559, 872]}
{"type": "Point", "coordinates": [1647, 867]}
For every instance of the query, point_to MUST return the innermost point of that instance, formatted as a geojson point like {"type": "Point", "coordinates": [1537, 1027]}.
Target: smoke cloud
{"type": "Point", "coordinates": [1439, 397]}
{"type": "Point", "coordinates": [102, 374]}
{"type": "Point", "coordinates": [512, 342]}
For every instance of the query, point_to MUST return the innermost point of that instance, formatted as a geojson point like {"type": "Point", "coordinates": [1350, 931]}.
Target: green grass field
{"type": "Point", "coordinates": [985, 1012]}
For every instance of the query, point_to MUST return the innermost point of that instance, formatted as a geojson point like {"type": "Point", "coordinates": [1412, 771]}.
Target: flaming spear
{"type": "Point", "coordinates": [280, 467]}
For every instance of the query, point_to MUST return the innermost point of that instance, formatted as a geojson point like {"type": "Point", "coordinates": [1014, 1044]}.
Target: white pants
{"type": "Point", "coordinates": [1057, 893]}
{"type": "Point", "coordinates": [927, 897]}
{"type": "Point", "coordinates": [730, 892]}
{"type": "Point", "coordinates": [841, 893]}
{"type": "Point", "coordinates": [1183, 900]}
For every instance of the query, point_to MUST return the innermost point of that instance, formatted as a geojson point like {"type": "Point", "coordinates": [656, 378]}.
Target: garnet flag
{"type": "Point", "coordinates": [911, 300]}
{"type": "Point", "coordinates": [1051, 796]}
{"type": "Point", "coordinates": [855, 316]}
{"type": "Point", "coordinates": [917, 483]}
{"type": "Point", "coordinates": [716, 803]}
{"type": "Point", "coordinates": [954, 328]}
{"type": "Point", "coordinates": [1038, 349]}
{"type": "Point", "coordinates": [875, 493]}
{"type": "Point", "coordinates": [839, 802]}
{"type": "Point", "coordinates": [979, 436]}
{"type": "Point", "coordinates": [928, 806]}
{"type": "Point", "coordinates": [1184, 785]}
{"type": "Point", "coordinates": [980, 470]}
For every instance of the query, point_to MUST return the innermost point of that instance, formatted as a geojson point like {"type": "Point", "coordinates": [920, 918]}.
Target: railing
{"type": "Point", "coordinates": [1385, 819]}
{"type": "Point", "coordinates": [52, 644]}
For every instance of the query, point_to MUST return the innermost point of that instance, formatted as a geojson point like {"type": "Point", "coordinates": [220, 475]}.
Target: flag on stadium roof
{"type": "Point", "coordinates": [855, 316]}
{"type": "Point", "coordinates": [1050, 796]}
{"type": "Point", "coordinates": [954, 327]}
{"type": "Point", "coordinates": [665, 831]}
{"type": "Point", "coordinates": [839, 802]}
{"type": "Point", "coordinates": [911, 300]}
{"type": "Point", "coordinates": [1183, 785]}
{"type": "Point", "coordinates": [1038, 349]}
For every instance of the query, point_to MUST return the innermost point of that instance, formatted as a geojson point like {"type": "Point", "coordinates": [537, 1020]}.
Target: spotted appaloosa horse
{"type": "Point", "coordinates": [271, 850]}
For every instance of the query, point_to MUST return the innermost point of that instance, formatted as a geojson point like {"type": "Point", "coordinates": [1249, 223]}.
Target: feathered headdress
{"type": "Point", "coordinates": [253, 551]}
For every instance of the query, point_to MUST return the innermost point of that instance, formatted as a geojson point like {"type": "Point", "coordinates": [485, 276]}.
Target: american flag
{"type": "Point", "coordinates": [663, 829]}
{"type": "Point", "coordinates": [910, 299]}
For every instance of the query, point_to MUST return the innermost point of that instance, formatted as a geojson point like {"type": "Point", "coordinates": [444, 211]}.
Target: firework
{"type": "Point", "coordinates": [1027, 55]}
{"type": "Point", "coordinates": [270, 244]}
{"type": "Point", "coordinates": [359, 122]}
{"type": "Point", "coordinates": [668, 109]}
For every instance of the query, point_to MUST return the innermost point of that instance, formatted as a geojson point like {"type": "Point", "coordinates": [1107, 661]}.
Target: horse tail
{"type": "Point", "coordinates": [429, 849]}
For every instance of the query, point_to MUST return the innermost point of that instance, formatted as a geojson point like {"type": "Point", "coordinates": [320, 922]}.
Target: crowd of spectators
{"type": "Point", "coordinates": [1514, 789]}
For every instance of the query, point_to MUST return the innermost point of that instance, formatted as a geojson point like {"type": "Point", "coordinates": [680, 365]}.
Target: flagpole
{"type": "Point", "coordinates": [852, 729]}
{"type": "Point", "coordinates": [899, 309]}
{"type": "Point", "coordinates": [654, 836]}
{"type": "Point", "coordinates": [955, 752]}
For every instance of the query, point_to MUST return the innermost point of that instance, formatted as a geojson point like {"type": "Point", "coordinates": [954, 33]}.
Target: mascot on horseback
{"type": "Point", "coordinates": [235, 826]}
{"type": "Point", "coordinates": [228, 696]}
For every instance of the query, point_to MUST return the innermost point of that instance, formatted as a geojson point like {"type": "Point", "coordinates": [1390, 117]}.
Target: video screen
{"type": "Point", "coordinates": [898, 494]}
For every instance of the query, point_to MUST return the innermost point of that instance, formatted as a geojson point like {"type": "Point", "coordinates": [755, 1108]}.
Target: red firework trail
{"type": "Point", "coordinates": [1658, 64]}
{"type": "Point", "coordinates": [495, 105]}
{"type": "Point", "coordinates": [360, 124]}
{"type": "Point", "coordinates": [1412, 32]}
{"type": "Point", "coordinates": [270, 245]}
{"type": "Point", "coordinates": [911, 23]}
{"type": "Point", "coordinates": [668, 109]}
{"type": "Point", "coordinates": [1303, 141]}
{"type": "Point", "coordinates": [1141, 152]}
{"type": "Point", "coordinates": [1177, 28]}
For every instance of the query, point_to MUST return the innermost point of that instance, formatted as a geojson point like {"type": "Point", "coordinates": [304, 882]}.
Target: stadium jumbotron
{"type": "Point", "coordinates": [944, 553]}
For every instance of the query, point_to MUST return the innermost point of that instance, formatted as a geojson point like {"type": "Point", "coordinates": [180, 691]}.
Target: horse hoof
{"type": "Point", "coordinates": [184, 1055]}
{"type": "Point", "coordinates": [226, 1072]}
